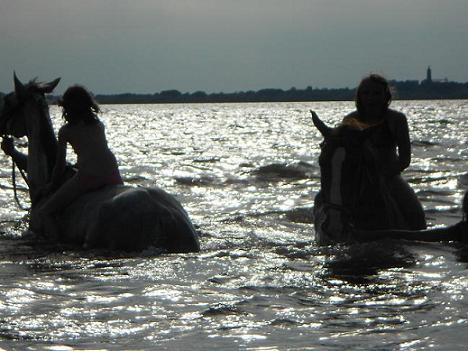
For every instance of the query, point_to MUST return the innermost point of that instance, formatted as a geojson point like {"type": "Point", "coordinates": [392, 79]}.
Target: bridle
{"type": "Point", "coordinates": [6, 116]}
{"type": "Point", "coordinates": [347, 210]}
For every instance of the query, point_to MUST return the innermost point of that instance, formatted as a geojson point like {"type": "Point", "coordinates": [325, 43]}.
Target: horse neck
{"type": "Point", "coordinates": [42, 145]}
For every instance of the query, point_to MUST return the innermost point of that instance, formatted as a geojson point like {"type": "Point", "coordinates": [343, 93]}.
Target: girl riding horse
{"type": "Point", "coordinates": [115, 216]}
{"type": "Point", "coordinates": [391, 141]}
{"type": "Point", "coordinates": [97, 165]}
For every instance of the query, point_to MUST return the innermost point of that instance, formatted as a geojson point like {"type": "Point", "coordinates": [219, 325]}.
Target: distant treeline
{"type": "Point", "coordinates": [403, 90]}
{"type": "Point", "coordinates": [263, 95]}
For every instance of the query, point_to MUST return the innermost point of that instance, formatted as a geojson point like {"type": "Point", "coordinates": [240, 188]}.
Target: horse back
{"type": "Point", "coordinates": [131, 219]}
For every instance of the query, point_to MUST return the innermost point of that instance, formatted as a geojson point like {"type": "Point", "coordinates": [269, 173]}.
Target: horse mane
{"type": "Point", "coordinates": [47, 135]}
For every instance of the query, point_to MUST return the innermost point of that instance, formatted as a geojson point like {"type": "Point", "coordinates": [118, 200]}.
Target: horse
{"type": "Point", "coordinates": [353, 195]}
{"type": "Point", "coordinates": [116, 217]}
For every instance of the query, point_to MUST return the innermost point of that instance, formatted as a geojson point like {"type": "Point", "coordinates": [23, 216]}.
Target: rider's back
{"type": "Point", "coordinates": [89, 142]}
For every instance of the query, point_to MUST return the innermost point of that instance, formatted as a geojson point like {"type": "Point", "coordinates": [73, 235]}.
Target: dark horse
{"type": "Point", "coordinates": [115, 217]}
{"type": "Point", "coordinates": [353, 193]}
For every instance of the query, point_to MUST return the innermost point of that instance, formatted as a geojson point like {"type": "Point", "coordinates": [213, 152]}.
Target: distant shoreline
{"type": "Point", "coordinates": [118, 102]}
{"type": "Point", "coordinates": [403, 90]}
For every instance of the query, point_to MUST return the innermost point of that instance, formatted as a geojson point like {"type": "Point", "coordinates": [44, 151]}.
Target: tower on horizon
{"type": "Point", "coordinates": [429, 75]}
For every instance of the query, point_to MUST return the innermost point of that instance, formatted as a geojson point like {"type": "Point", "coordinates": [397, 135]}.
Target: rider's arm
{"type": "Point", "coordinates": [401, 132]}
{"type": "Point", "coordinates": [19, 158]}
{"type": "Point", "coordinates": [60, 161]}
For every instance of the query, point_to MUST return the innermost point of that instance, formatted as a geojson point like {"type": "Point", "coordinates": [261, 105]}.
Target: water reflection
{"type": "Point", "coordinates": [247, 175]}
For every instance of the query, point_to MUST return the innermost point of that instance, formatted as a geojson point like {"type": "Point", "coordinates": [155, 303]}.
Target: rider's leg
{"type": "Point", "coordinates": [408, 202]}
{"type": "Point", "coordinates": [57, 202]}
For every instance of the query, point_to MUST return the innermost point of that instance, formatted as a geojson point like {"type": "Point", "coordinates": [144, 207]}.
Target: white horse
{"type": "Point", "coordinates": [115, 217]}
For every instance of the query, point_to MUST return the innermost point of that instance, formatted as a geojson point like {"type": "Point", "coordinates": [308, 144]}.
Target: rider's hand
{"type": "Point", "coordinates": [46, 190]}
{"type": "Point", "coordinates": [7, 146]}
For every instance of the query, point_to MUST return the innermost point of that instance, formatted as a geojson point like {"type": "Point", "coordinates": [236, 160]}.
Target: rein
{"type": "Point", "coordinates": [13, 179]}
{"type": "Point", "coordinates": [339, 208]}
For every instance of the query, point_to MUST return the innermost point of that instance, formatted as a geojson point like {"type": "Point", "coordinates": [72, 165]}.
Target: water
{"type": "Point", "coordinates": [247, 174]}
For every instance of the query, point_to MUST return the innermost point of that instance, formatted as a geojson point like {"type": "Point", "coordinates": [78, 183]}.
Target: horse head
{"type": "Point", "coordinates": [16, 105]}
{"type": "Point", "coordinates": [353, 191]}
{"type": "Point", "coordinates": [25, 113]}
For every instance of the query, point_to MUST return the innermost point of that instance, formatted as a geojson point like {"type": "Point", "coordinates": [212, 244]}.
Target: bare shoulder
{"type": "Point", "coordinates": [396, 116]}
{"type": "Point", "coordinates": [396, 120]}
{"type": "Point", "coordinates": [351, 115]}
{"type": "Point", "coordinates": [64, 131]}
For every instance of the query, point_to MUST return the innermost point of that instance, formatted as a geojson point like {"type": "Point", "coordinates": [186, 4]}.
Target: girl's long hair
{"type": "Point", "coordinates": [79, 105]}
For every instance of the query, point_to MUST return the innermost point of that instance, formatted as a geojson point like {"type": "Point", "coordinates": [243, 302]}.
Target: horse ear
{"type": "Point", "coordinates": [20, 88]}
{"type": "Point", "coordinates": [320, 125]}
{"type": "Point", "coordinates": [49, 87]}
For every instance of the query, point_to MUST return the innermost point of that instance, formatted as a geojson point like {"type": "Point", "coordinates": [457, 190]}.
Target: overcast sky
{"type": "Point", "coordinates": [145, 46]}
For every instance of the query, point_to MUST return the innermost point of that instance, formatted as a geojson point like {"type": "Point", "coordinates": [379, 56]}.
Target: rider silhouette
{"type": "Point", "coordinates": [391, 141]}
{"type": "Point", "coordinates": [97, 165]}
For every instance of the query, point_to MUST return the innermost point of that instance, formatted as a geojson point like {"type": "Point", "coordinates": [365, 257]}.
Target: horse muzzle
{"type": "Point", "coordinates": [9, 127]}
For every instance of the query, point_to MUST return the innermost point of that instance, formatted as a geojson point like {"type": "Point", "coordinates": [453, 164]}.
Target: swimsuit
{"type": "Point", "coordinates": [92, 182]}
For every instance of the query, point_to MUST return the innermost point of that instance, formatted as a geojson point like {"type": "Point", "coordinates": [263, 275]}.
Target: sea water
{"type": "Point", "coordinates": [247, 174]}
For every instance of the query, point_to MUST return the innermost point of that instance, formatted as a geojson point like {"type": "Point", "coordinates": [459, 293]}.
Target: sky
{"type": "Point", "coordinates": [146, 46]}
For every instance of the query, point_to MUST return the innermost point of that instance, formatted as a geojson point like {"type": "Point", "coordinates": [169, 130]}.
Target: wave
{"type": "Point", "coordinates": [300, 215]}
{"type": "Point", "coordinates": [435, 193]}
{"type": "Point", "coordinates": [444, 121]}
{"type": "Point", "coordinates": [296, 170]}
{"type": "Point", "coordinates": [271, 172]}
{"type": "Point", "coordinates": [424, 143]}
{"type": "Point", "coordinates": [446, 159]}
{"type": "Point", "coordinates": [222, 310]}
{"type": "Point", "coordinates": [463, 179]}
{"type": "Point", "coordinates": [209, 159]}
{"type": "Point", "coordinates": [295, 215]}
{"type": "Point", "coordinates": [368, 258]}
{"type": "Point", "coordinates": [197, 180]}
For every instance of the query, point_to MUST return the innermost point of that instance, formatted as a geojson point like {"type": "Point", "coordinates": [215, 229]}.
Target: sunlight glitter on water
{"type": "Point", "coordinates": [247, 174]}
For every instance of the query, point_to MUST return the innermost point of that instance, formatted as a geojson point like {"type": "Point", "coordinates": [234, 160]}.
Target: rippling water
{"type": "Point", "coordinates": [247, 174]}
